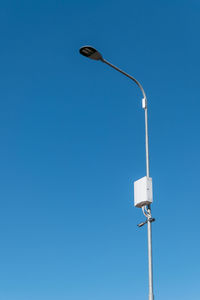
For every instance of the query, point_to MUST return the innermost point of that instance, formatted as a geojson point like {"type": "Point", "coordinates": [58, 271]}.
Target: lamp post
{"type": "Point", "coordinates": [142, 187]}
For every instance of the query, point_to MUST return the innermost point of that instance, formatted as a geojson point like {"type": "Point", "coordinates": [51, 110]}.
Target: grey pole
{"type": "Point", "coordinates": [92, 53]}
{"type": "Point", "coordinates": [149, 231]}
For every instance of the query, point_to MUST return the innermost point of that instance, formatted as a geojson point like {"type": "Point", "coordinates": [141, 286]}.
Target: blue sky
{"type": "Point", "coordinates": [72, 144]}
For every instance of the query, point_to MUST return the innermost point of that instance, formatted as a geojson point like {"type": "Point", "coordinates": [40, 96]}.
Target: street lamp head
{"type": "Point", "coordinates": [90, 52]}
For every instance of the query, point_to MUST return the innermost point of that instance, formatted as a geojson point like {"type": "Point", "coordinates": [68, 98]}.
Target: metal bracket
{"type": "Point", "coordinates": [143, 223]}
{"type": "Point", "coordinates": [144, 103]}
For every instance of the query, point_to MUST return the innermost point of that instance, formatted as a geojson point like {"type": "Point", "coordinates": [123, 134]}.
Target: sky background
{"type": "Point", "coordinates": [72, 144]}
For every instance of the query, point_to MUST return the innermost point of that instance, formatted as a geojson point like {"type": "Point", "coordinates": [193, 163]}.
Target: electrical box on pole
{"type": "Point", "coordinates": [143, 194]}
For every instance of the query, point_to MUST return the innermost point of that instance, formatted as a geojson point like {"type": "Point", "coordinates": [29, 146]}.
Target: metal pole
{"type": "Point", "coordinates": [146, 136]}
{"type": "Point", "coordinates": [149, 232]}
{"type": "Point", "coordinates": [149, 219]}
{"type": "Point", "coordinates": [151, 296]}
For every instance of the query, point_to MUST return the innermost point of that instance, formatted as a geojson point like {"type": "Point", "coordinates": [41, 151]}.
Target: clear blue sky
{"type": "Point", "coordinates": [72, 144]}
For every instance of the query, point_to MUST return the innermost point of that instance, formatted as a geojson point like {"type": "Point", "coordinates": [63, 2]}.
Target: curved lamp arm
{"type": "Point", "coordinates": [144, 106]}
{"type": "Point", "coordinates": [127, 75]}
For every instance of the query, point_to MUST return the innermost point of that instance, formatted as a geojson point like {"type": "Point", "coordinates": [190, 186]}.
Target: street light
{"type": "Point", "coordinates": [142, 187]}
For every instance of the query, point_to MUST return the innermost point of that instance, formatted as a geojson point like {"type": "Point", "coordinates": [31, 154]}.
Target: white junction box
{"type": "Point", "coordinates": [143, 194]}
